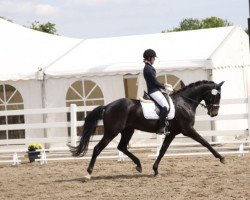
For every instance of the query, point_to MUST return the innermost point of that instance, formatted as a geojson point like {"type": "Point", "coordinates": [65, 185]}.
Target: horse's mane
{"type": "Point", "coordinates": [191, 85]}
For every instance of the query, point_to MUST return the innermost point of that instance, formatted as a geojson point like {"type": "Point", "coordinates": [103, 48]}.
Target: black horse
{"type": "Point", "coordinates": [125, 115]}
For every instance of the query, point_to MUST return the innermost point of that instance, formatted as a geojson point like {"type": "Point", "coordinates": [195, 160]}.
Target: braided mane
{"type": "Point", "coordinates": [194, 85]}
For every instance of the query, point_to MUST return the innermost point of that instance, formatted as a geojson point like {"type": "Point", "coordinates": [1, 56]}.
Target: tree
{"type": "Point", "coordinates": [6, 19]}
{"type": "Point", "coordinates": [194, 23]}
{"type": "Point", "coordinates": [188, 24]}
{"type": "Point", "coordinates": [213, 22]}
{"type": "Point", "coordinates": [47, 27]}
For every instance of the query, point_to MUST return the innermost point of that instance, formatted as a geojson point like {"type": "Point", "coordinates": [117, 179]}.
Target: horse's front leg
{"type": "Point", "coordinates": [167, 141]}
{"type": "Point", "coordinates": [192, 133]}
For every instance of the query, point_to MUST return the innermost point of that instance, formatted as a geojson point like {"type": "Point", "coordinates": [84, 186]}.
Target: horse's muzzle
{"type": "Point", "coordinates": [213, 110]}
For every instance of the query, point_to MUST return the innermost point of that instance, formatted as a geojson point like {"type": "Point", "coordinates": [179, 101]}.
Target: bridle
{"type": "Point", "coordinates": [210, 106]}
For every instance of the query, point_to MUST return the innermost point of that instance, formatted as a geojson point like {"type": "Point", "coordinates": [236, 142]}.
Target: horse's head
{"type": "Point", "coordinates": [212, 99]}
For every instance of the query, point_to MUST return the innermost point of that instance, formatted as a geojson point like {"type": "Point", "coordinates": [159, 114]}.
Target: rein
{"type": "Point", "coordinates": [203, 105]}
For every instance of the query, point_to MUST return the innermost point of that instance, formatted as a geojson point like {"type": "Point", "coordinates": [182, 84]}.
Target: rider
{"type": "Point", "coordinates": [154, 87]}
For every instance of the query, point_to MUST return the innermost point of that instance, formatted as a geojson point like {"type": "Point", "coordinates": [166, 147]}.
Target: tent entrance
{"type": "Point", "coordinates": [130, 86]}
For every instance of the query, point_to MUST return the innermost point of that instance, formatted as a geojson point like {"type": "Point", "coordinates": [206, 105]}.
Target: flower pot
{"type": "Point", "coordinates": [33, 155]}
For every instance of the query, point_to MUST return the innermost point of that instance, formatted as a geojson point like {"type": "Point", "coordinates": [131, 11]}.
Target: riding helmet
{"type": "Point", "coordinates": [149, 53]}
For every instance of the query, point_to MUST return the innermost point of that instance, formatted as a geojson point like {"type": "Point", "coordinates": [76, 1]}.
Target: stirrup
{"type": "Point", "coordinates": [167, 132]}
{"type": "Point", "coordinates": [166, 123]}
{"type": "Point", "coordinates": [161, 131]}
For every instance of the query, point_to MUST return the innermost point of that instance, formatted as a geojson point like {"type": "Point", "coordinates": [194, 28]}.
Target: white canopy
{"type": "Point", "coordinates": [24, 51]}
{"type": "Point", "coordinates": [175, 50]}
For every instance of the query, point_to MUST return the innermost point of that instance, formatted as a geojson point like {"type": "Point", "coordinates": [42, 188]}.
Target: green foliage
{"type": "Point", "coordinates": [213, 22]}
{"type": "Point", "coordinates": [194, 23]}
{"type": "Point", "coordinates": [6, 19]}
{"type": "Point", "coordinates": [47, 27]}
{"type": "Point", "coordinates": [34, 147]}
{"type": "Point", "coordinates": [188, 24]}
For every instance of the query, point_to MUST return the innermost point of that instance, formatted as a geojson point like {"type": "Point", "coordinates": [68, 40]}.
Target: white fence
{"type": "Point", "coordinates": [153, 141]}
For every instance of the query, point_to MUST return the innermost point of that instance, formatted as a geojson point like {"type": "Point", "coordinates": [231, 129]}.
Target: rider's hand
{"type": "Point", "coordinates": [168, 88]}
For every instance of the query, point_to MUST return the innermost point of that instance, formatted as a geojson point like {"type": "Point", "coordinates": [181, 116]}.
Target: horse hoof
{"type": "Point", "coordinates": [223, 161]}
{"type": "Point", "coordinates": [139, 169]}
{"type": "Point", "coordinates": [156, 173]}
{"type": "Point", "coordinates": [86, 178]}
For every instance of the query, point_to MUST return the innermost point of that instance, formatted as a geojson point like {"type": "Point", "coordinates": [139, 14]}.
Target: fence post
{"type": "Point", "coordinates": [159, 139]}
{"type": "Point", "coordinates": [120, 156]}
{"type": "Point", "coordinates": [15, 159]}
{"type": "Point", "coordinates": [73, 125]}
{"type": "Point", "coordinates": [248, 109]}
{"type": "Point", "coordinates": [247, 82]}
{"type": "Point", "coordinates": [241, 149]}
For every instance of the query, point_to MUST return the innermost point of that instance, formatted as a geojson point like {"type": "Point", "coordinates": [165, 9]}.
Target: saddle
{"type": "Point", "coordinates": [149, 103]}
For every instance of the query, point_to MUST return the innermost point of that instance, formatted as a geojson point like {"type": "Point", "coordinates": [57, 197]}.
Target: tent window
{"type": "Point", "coordinates": [11, 99]}
{"type": "Point", "coordinates": [176, 82]}
{"type": "Point", "coordinates": [130, 86]}
{"type": "Point", "coordinates": [84, 93]}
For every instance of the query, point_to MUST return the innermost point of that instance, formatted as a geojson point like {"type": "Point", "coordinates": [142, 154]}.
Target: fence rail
{"type": "Point", "coordinates": [73, 124]}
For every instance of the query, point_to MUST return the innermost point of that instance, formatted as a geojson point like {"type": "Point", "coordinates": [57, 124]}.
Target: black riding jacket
{"type": "Point", "coordinates": [149, 74]}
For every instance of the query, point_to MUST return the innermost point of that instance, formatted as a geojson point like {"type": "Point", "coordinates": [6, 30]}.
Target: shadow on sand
{"type": "Point", "coordinates": [114, 177]}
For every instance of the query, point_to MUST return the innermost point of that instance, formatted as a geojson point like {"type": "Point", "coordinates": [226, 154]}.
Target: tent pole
{"type": "Point", "coordinates": [247, 70]}
{"type": "Point", "coordinates": [247, 88]}
{"type": "Point", "coordinates": [248, 22]}
{"type": "Point", "coordinates": [44, 105]}
{"type": "Point", "coordinates": [212, 123]}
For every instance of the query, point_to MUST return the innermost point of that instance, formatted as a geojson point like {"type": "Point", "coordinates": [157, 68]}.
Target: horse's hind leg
{"type": "Point", "coordinates": [97, 150]}
{"type": "Point", "coordinates": [123, 147]}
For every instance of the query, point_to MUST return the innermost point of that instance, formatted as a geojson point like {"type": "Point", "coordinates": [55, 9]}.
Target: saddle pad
{"type": "Point", "coordinates": [149, 110]}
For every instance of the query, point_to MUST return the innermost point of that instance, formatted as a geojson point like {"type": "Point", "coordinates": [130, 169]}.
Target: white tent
{"type": "Point", "coordinates": [25, 51]}
{"type": "Point", "coordinates": [176, 51]}
{"type": "Point", "coordinates": [191, 55]}
{"type": "Point", "coordinates": [43, 67]}
{"type": "Point", "coordinates": [213, 54]}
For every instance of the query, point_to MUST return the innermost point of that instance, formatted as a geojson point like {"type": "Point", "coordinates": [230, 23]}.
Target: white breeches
{"type": "Point", "coordinates": [162, 101]}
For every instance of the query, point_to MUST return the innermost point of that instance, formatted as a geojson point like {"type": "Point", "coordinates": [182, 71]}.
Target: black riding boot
{"type": "Point", "coordinates": [162, 120]}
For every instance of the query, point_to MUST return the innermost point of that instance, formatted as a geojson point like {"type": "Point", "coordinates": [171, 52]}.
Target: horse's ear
{"type": "Point", "coordinates": [182, 84]}
{"type": "Point", "coordinates": [220, 84]}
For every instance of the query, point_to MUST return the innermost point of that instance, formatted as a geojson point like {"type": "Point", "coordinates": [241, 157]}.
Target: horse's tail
{"type": "Point", "coordinates": [89, 128]}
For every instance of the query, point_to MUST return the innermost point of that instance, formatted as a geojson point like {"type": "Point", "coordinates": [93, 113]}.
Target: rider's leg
{"type": "Point", "coordinates": [161, 100]}
{"type": "Point", "coordinates": [162, 120]}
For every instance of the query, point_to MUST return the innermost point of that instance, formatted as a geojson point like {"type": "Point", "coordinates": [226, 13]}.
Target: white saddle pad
{"type": "Point", "coordinates": [149, 110]}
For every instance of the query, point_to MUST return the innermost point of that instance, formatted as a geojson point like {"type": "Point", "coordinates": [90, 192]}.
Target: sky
{"type": "Point", "coordinates": [111, 18]}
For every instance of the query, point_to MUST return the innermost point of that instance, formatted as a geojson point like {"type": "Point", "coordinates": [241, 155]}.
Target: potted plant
{"type": "Point", "coordinates": [32, 151]}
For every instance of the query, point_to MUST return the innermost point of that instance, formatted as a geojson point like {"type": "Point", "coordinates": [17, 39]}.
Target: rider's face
{"type": "Point", "coordinates": [152, 60]}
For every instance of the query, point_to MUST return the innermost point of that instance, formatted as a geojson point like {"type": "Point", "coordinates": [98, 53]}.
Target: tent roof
{"type": "Point", "coordinates": [24, 51]}
{"type": "Point", "coordinates": [123, 55]}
